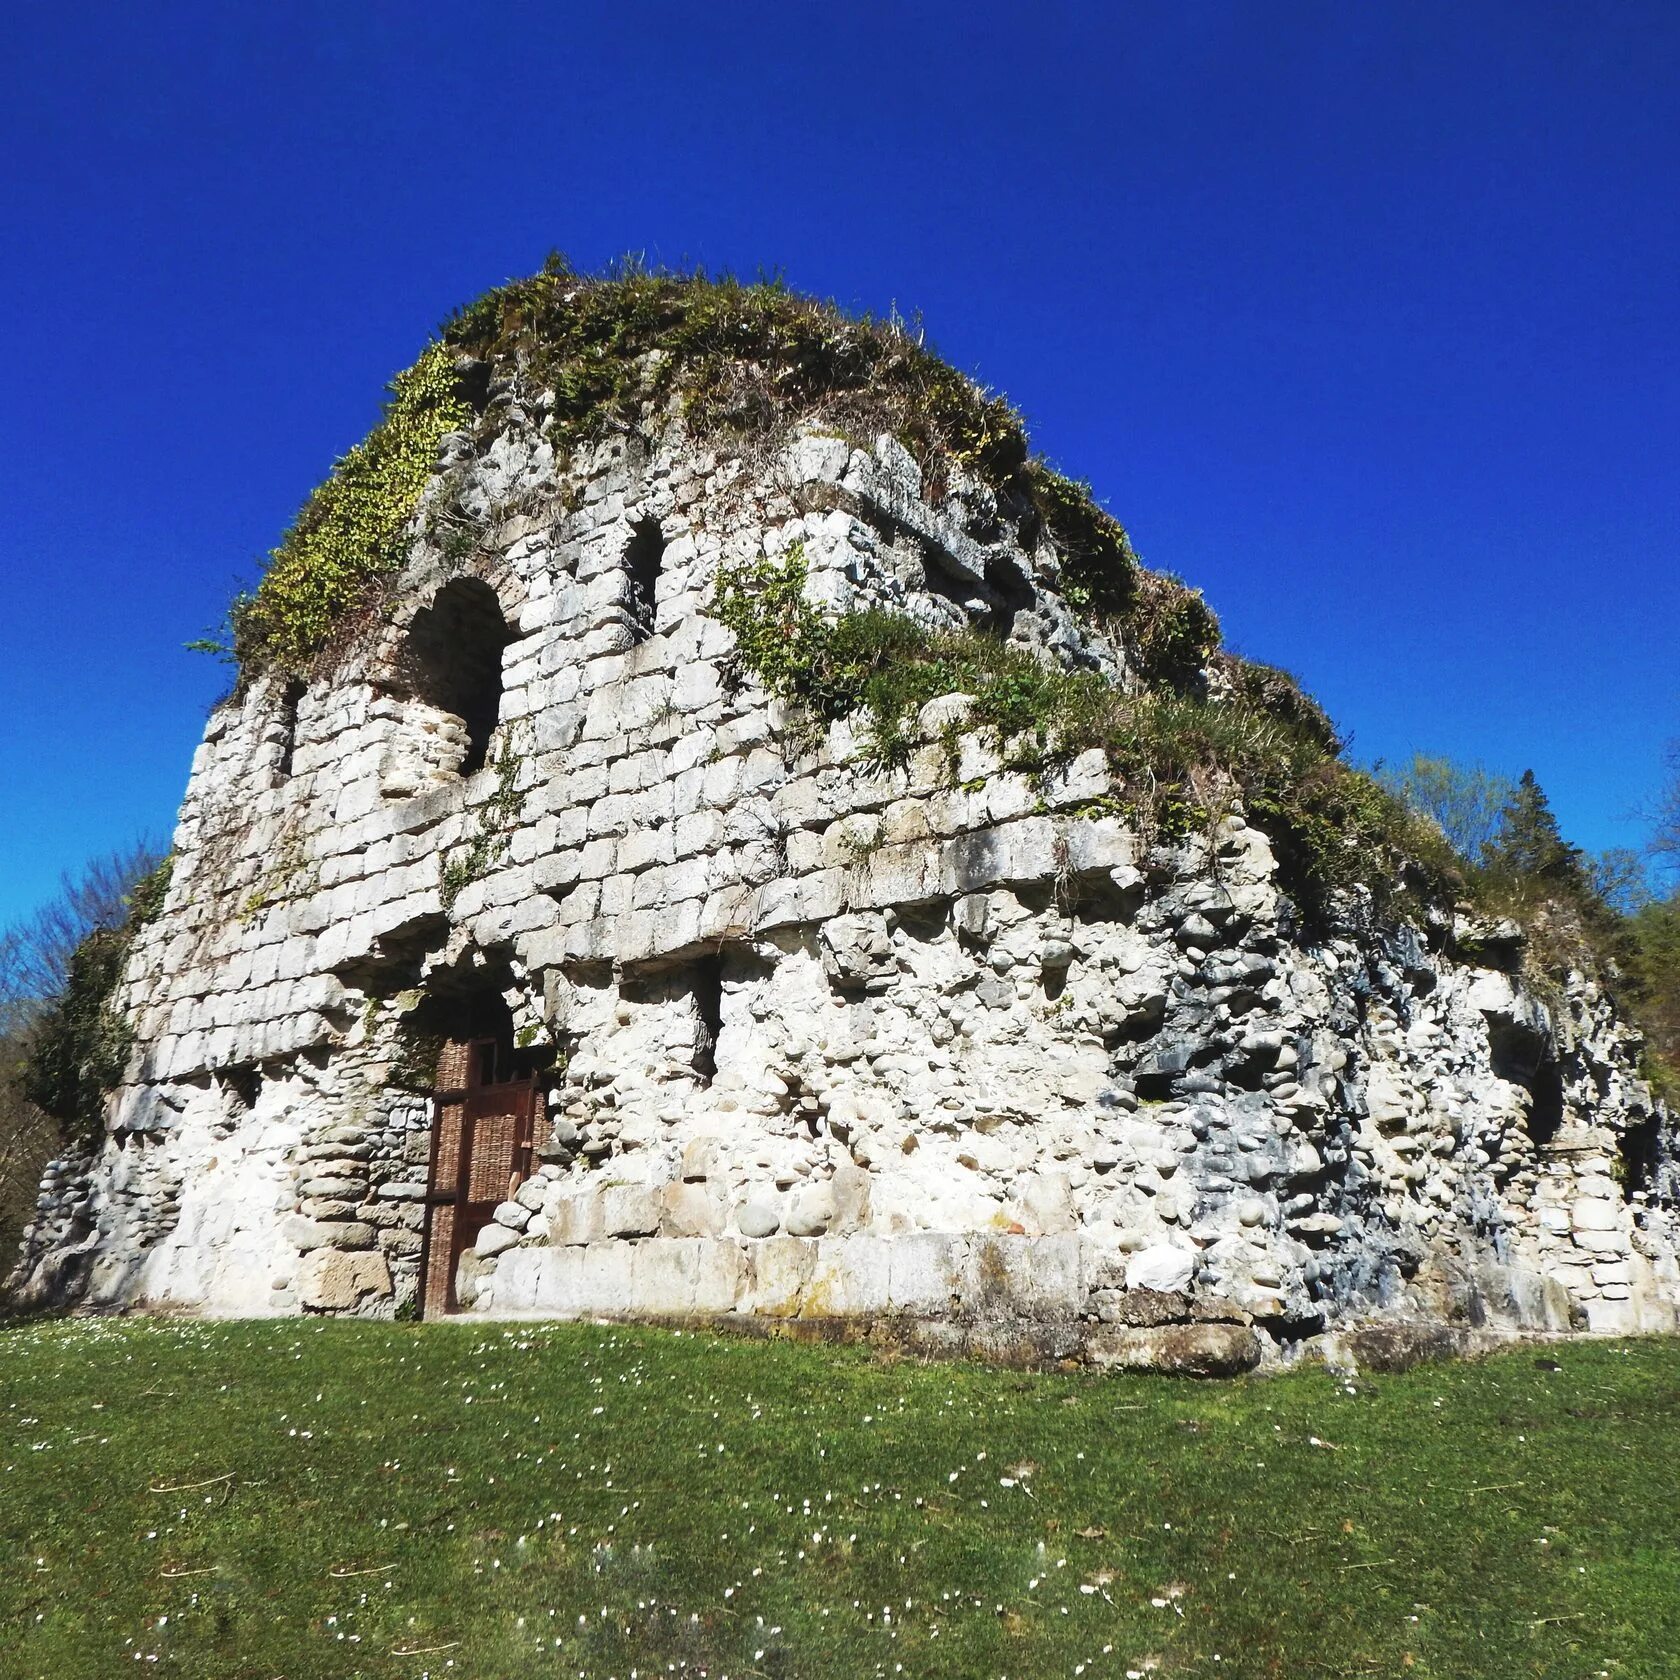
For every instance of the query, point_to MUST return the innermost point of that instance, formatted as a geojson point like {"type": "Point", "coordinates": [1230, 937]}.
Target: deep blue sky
{"type": "Point", "coordinates": [1362, 317]}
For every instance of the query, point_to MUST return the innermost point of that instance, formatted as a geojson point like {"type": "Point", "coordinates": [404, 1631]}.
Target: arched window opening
{"type": "Point", "coordinates": [453, 661]}
{"type": "Point", "coordinates": [290, 700]}
{"type": "Point", "coordinates": [643, 558]}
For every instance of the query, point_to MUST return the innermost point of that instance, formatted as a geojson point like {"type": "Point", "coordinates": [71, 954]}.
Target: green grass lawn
{"type": "Point", "coordinates": [285, 1500]}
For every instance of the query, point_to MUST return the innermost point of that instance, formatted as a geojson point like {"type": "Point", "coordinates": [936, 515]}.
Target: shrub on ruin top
{"type": "Point", "coordinates": [746, 360]}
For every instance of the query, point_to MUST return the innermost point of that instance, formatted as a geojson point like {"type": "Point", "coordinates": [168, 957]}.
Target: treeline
{"type": "Point", "coordinates": [1617, 912]}
{"type": "Point", "coordinates": [60, 1044]}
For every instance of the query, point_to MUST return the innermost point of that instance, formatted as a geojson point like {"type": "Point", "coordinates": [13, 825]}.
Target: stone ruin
{"type": "Point", "coordinates": [532, 961]}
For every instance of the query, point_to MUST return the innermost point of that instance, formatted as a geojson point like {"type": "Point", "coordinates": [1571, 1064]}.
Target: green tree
{"type": "Point", "coordinates": [1528, 848]}
{"type": "Point", "coordinates": [57, 1041]}
{"type": "Point", "coordinates": [1655, 967]}
{"type": "Point", "coordinates": [1463, 801]}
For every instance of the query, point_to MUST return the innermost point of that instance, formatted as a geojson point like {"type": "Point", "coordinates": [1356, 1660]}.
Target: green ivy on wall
{"type": "Point", "coordinates": [350, 531]}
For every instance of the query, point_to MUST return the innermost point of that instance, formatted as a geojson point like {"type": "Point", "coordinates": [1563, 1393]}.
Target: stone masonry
{"type": "Point", "coordinates": [822, 1042]}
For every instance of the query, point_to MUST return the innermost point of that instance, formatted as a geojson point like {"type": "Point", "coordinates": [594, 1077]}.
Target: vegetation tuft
{"type": "Point", "coordinates": [629, 351]}
{"type": "Point", "coordinates": [1186, 758]}
{"type": "Point", "coordinates": [380, 1502]}
{"type": "Point", "coordinates": [1173, 631]}
{"type": "Point", "coordinates": [352, 531]}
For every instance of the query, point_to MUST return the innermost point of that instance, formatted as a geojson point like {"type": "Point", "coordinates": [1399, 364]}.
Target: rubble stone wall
{"type": "Point", "coordinates": [978, 1058]}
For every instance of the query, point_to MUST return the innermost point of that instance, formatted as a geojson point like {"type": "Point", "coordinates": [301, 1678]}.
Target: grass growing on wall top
{"type": "Point", "coordinates": [1185, 758]}
{"type": "Point", "coordinates": [746, 360]}
{"type": "Point", "coordinates": [315, 1499]}
{"type": "Point", "coordinates": [739, 361]}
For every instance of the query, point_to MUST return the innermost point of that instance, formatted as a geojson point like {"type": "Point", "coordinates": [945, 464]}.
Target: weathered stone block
{"type": "Point", "coordinates": [494, 1239]}
{"type": "Point", "coordinates": [331, 1280]}
{"type": "Point", "coordinates": [759, 1216]}
{"type": "Point", "coordinates": [629, 1210]}
{"type": "Point", "coordinates": [309, 1234]}
{"type": "Point", "coordinates": [1181, 1350]}
{"type": "Point", "coordinates": [1162, 1268]}
{"type": "Point", "coordinates": [690, 1210]}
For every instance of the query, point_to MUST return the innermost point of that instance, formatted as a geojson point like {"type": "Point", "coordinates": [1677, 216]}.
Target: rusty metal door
{"type": "Point", "coordinates": [482, 1131]}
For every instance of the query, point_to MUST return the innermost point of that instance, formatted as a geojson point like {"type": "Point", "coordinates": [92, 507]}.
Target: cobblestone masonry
{"type": "Point", "coordinates": [980, 1067]}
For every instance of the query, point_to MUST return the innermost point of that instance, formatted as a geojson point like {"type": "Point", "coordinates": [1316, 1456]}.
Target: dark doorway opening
{"type": "Point", "coordinates": [1545, 1114]}
{"type": "Point", "coordinates": [488, 1102]}
{"type": "Point", "coordinates": [475, 1017]}
{"type": "Point", "coordinates": [1640, 1153]}
{"type": "Point", "coordinates": [1012, 594]}
{"type": "Point", "coordinates": [243, 1084]}
{"type": "Point", "coordinates": [1524, 1055]}
{"type": "Point", "coordinates": [453, 660]}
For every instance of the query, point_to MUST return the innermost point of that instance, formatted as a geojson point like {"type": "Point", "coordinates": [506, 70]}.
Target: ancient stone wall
{"type": "Point", "coordinates": [825, 1038]}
